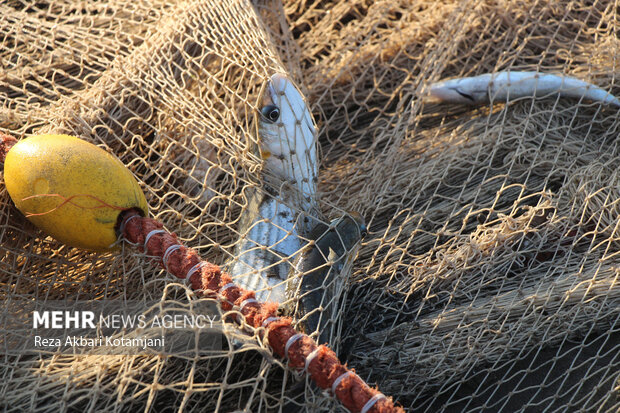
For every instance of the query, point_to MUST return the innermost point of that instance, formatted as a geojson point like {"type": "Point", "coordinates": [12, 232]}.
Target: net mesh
{"type": "Point", "coordinates": [489, 277]}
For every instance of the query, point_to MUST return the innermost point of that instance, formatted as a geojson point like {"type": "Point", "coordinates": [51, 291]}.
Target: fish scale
{"type": "Point", "coordinates": [265, 252]}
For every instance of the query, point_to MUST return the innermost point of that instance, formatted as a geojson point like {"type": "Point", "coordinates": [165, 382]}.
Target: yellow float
{"type": "Point", "coordinates": [71, 189]}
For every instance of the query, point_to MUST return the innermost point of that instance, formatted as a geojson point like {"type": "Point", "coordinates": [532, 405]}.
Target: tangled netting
{"type": "Point", "coordinates": [489, 279]}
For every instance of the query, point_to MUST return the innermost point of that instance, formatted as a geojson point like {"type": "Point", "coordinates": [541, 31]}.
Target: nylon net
{"type": "Point", "coordinates": [489, 276]}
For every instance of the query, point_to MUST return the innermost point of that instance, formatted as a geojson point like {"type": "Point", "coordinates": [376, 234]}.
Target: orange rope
{"type": "Point", "coordinates": [69, 200]}
{"type": "Point", "coordinates": [6, 143]}
{"type": "Point", "coordinates": [302, 352]}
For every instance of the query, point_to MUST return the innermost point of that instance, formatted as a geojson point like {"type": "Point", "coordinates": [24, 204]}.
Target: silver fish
{"type": "Point", "coordinates": [321, 273]}
{"type": "Point", "coordinates": [279, 217]}
{"type": "Point", "coordinates": [507, 86]}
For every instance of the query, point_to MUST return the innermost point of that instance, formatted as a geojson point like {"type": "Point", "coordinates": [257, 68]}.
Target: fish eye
{"type": "Point", "coordinates": [271, 113]}
{"type": "Point", "coordinates": [363, 231]}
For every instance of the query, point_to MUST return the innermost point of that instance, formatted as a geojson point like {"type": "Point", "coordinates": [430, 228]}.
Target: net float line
{"type": "Point", "coordinates": [301, 351]}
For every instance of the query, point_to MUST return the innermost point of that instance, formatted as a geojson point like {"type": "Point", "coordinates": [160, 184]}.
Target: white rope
{"type": "Point", "coordinates": [150, 234]}
{"type": "Point", "coordinates": [311, 357]}
{"type": "Point", "coordinates": [245, 302]}
{"type": "Point", "coordinates": [374, 399]}
{"type": "Point", "coordinates": [169, 252]}
{"type": "Point", "coordinates": [339, 379]}
{"type": "Point", "coordinates": [194, 269]}
{"type": "Point", "coordinates": [269, 320]}
{"type": "Point", "coordinates": [227, 286]}
{"type": "Point", "coordinates": [121, 230]}
{"type": "Point", "coordinates": [290, 342]}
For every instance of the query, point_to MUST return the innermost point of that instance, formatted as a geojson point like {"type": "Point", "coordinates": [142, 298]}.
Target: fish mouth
{"type": "Point", "coordinates": [276, 86]}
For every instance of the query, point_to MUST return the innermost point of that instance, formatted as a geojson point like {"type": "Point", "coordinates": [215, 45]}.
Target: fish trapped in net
{"type": "Point", "coordinates": [508, 86]}
{"type": "Point", "coordinates": [285, 253]}
{"type": "Point", "coordinates": [278, 216]}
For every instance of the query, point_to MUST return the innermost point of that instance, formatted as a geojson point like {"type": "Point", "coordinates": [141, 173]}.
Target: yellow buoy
{"type": "Point", "coordinates": [71, 189]}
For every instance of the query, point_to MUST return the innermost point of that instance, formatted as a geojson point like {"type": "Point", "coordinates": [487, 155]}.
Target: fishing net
{"type": "Point", "coordinates": [489, 277]}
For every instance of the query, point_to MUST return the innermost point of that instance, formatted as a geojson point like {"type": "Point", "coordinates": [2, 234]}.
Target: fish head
{"type": "Point", "coordinates": [287, 136]}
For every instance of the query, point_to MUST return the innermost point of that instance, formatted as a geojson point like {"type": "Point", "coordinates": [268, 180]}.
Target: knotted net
{"type": "Point", "coordinates": [489, 277]}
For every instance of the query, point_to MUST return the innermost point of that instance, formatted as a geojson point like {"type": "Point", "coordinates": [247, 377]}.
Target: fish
{"type": "Point", "coordinates": [508, 86]}
{"type": "Point", "coordinates": [281, 213]}
{"type": "Point", "coordinates": [321, 272]}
